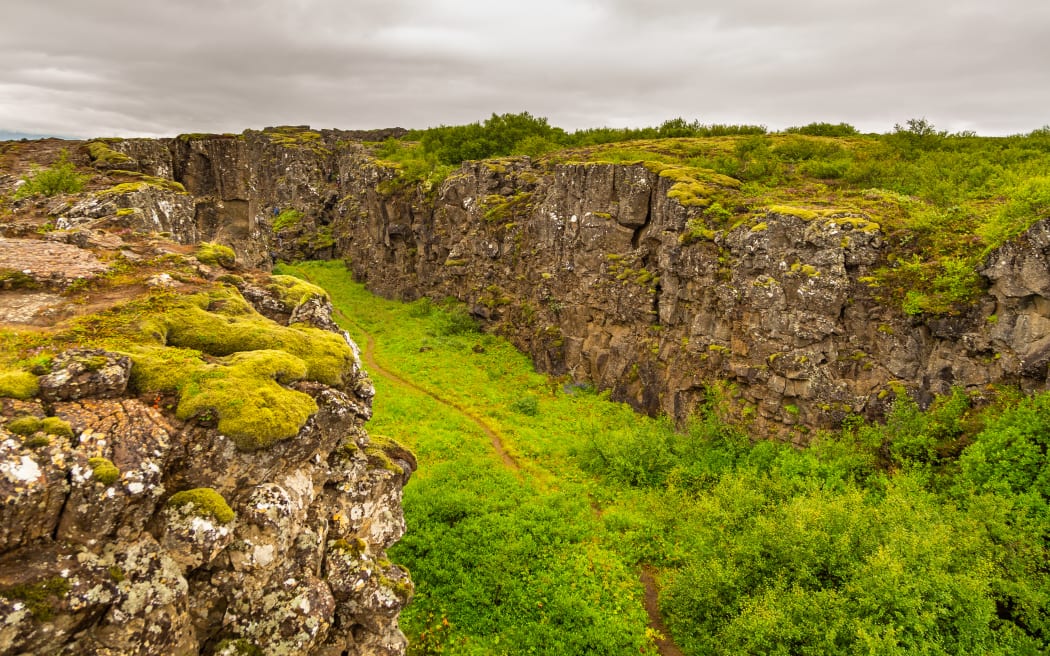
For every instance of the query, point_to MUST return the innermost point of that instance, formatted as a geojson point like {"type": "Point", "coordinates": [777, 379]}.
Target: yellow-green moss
{"type": "Point", "coordinates": [154, 181]}
{"type": "Point", "coordinates": [759, 227]}
{"type": "Point", "coordinates": [216, 254]}
{"type": "Point", "coordinates": [39, 598]}
{"type": "Point", "coordinates": [267, 414]}
{"type": "Point", "coordinates": [293, 291]}
{"type": "Point", "coordinates": [499, 208]}
{"type": "Point", "coordinates": [56, 426]}
{"type": "Point", "coordinates": [104, 471]}
{"type": "Point", "coordinates": [128, 211]}
{"type": "Point", "coordinates": [250, 357]}
{"type": "Point", "coordinates": [797, 212]}
{"type": "Point", "coordinates": [807, 270]}
{"type": "Point", "coordinates": [237, 647]}
{"type": "Point", "coordinates": [27, 425]}
{"type": "Point", "coordinates": [377, 456]}
{"type": "Point", "coordinates": [289, 218]}
{"type": "Point", "coordinates": [18, 385]}
{"type": "Point", "coordinates": [353, 548]}
{"type": "Point", "coordinates": [101, 153]}
{"type": "Point", "coordinates": [204, 501]}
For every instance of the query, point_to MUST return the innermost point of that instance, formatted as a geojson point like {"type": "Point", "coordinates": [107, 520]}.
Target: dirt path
{"type": "Point", "coordinates": [665, 645]}
{"type": "Point", "coordinates": [375, 368]}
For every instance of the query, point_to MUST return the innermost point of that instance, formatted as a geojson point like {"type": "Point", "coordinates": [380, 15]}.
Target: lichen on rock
{"type": "Point", "coordinates": [169, 484]}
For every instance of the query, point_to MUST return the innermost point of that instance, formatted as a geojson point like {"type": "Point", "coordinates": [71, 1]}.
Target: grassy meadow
{"type": "Point", "coordinates": [926, 535]}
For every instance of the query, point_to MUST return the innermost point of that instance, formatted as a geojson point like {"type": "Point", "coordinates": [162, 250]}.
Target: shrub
{"type": "Point", "coordinates": [526, 405]}
{"type": "Point", "coordinates": [824, 130]}
{"type": "Point", "coordinates": [62, 178]}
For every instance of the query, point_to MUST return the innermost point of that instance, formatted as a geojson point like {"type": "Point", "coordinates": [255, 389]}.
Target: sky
{"type": "Point", "coordinates": [87, 68]}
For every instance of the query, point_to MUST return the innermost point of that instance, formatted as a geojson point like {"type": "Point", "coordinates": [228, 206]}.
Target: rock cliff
{"type": "Point", "coordinates": [599, 272]}
{"type": "Point", "coordinates": [183, 460]}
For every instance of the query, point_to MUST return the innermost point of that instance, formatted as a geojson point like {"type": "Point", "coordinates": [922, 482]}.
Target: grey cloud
{"type": "Point", "coordinates": [119, 67]}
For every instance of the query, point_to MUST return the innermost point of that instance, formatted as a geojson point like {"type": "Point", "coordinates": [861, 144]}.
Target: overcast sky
{"type": "Point", "coordinates": [162, 67]}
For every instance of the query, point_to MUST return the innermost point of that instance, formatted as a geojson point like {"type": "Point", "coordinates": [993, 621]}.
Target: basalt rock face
{"type": "Point", "coordinates": [98, 555]}
{"type": "Point", "coordinates": [591, 269]}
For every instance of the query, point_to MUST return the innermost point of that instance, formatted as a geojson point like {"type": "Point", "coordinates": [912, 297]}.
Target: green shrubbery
{"type": "Point", "coordinates": [61, 178]}
{"type": "Point", "coordinates": [924, 535]}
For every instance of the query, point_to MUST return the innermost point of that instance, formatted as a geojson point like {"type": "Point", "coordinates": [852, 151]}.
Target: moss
{"type": "Point", "coordinates": [807, 270]}
{"type": "Point", "coordinates": [56, 426]}
{"type": "Point", "coordinates": [216, 254]}
{"type": "Point", "coordinates": [117, 574]}
{"type": "Point", "coordinates": [499, 208]}
{"type": "Point", "coordinates": [26, 425]}
{"type": "Point", "coordinates": [128, 211]}
{"type": "Point", "coordinates": [18, 385]}
{"type": "Point", "coordinates": [228, 362]}
{"type": "Point", "coordinates": [203, 501]}
{"type": "Point", "coordinates": [353, 548]}
{"type": "Point", "coordinates": [293, 291]}
{"type": "Point", "coordinates": [377, 456]}
{"type": "Point", "coordinates": [101, 153]}
{"type": "Point", "coordinates": [153, 181]}
{"type": "Point", "coordinates": [455, 262]}
{"type": "Point", "coordinates": [287, 219]}
{"type": "Point", "coordinates": [37, 441]}
{"type": "Point", "coordinates": [759, 227]}
{"type": "Point", "coordinates": [805, 215]}
{"type": "Point", "coordinates": [123, 188]}
{"type": "Point", "coordinates": [15, 279]}
{"type": "Point", "coordinates": [104, 471]}
{"type": "Point", "coordinates": [237, 647]}
{"type": "Point", "coordinates": [269, 414]}
{"type": "Point", "coordinates": [39, 598]}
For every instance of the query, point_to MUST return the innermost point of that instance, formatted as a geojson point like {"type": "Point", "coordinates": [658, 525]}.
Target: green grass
{"type": "Point", "coordinates": [926, 535]}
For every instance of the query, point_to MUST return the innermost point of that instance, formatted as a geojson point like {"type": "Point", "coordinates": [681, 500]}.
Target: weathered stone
{"type": "Point", "coordinates": [86, 519]}
{"type": "Point", "coordinates": [80, 373]}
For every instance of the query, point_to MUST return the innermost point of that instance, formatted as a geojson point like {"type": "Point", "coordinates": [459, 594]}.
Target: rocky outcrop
{"type": "Point", "coordinates": [126, 530]}
{"type": "Point", "coordinates": [597, 271]}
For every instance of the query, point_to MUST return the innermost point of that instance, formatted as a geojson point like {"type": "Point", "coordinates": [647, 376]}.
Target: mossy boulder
{"type": "Point", "coordinates": [230, 364]}
{"type": "Point", "coordinates": [216, 255]}
{"type": "Point", "coordinates": [203, 501]}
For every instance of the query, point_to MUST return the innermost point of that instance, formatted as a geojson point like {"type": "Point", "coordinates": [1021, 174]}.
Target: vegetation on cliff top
{"type": "Point", "coordinates": [222, 362]}
{"type": "Point", "coordinates": [926, 535]}
{"type": "Point", "coordinates": [943, 201]}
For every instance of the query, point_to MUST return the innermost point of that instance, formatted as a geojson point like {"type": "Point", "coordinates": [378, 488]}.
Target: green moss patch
{"type": "Point", "coordinates": [270, 413]}
{"type": "Point", "coordinates": [28, 425]}
{"type": "Point", "coordinates": [18, 385]}
{"type": "Point", "coordinates": [292, 291]}
{"type": "Point", "coordinates": [102, 154]}
{"type": "Point", "coordinates": [104, 471]}
{"type": "Point", "coordinates": [216, 254]}
{"type": "Point", "coordinates": [797, 212]}
{"type": "Point", "coordinates": [229, 363]}
{"type": "Point", "coordinates": [287, 219]}
{"type": "Point", "coordinates": [39, 598]}
{"type": "Point", "coordinates": [154, 181]}
{"type": "Point", "coordinates": [205, 502]}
